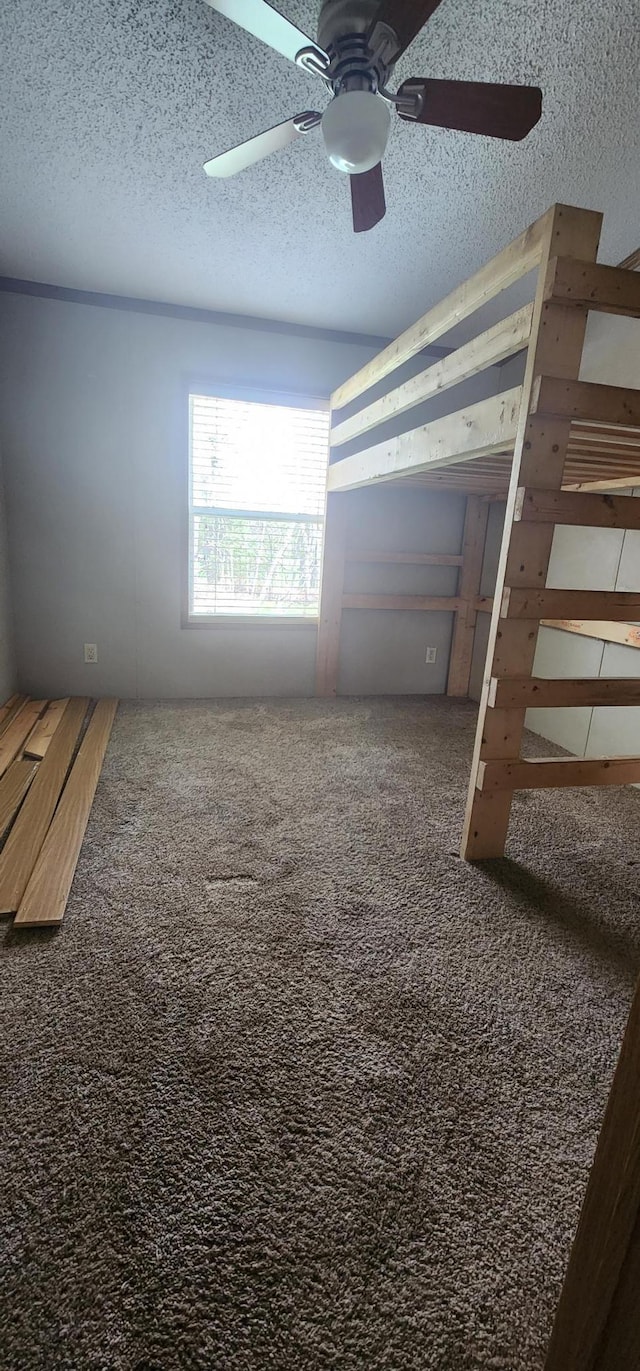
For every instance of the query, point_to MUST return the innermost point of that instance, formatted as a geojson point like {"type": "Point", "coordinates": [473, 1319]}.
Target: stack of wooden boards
{"type": "Point", "coordinates": [51, 755]}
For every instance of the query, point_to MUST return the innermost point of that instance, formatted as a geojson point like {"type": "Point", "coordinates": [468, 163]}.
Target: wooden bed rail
{"type": "Point", "coordinates": [478, 430]}
{"type": "Point", "coordinates": [504, 340]}
{"type": "Point", "coordinates": [514, 261]}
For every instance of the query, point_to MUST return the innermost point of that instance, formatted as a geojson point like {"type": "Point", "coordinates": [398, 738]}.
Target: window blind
{"type": "Point", "coordinates": [257, 475]}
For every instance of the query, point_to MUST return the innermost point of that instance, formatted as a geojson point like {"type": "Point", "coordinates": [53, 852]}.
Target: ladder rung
{"type": "Point", "coordinates": [547, 773]}
{"type": "Point", "coordinates": [586, 400]}
{"type": "Point", "coordinates": [527, 691]}
{"type": "Point", "coordinates": [577, 507]}
{"type": "Point", "coordinates": [615, 605]}
{"type": "Point", "coordinates": [613, 290]}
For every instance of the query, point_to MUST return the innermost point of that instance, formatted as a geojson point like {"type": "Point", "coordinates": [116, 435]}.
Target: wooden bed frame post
{"type": "Point", "coordinates": [332, 582]}
{"type": "Point", "coordinates": [597, 1323]}
{"type": "Point", "coordinates": [473, 540]}
{"type": "Point", "coordinates": [555, 349]}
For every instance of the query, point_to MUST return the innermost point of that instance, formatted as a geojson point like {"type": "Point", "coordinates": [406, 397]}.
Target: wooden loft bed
{"type": "Point", "coordinates": [551, 447]}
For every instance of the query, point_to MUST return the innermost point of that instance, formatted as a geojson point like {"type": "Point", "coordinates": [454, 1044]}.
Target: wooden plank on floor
{"type": "Point", "coordinates": [627, 635]}
{"type": "Point", "coordinates": [577, 508]}
{"type": "Point", "coordinates": [29, 831]}
{"type": "Point", "coordinates": [614, 290]}
{"type": "Point", "coordinates": [40, 737]}
{"type": "Point", "coordinates": [9, 706]}
{"type": "Point", "coordinates": [13, 738]}
{"type": "Point", "coordinates": [13, 788]}
{"type": "Point", "coordinates": [534, 691]}
{"type": "Point", "coordinates": [46, 895]}
{"type": "Point", "coordinates": [548, 773]}
{"type": "Point", "coordinates": [11, 709]}
{"type": "Point", "coordinates": [616, 605]}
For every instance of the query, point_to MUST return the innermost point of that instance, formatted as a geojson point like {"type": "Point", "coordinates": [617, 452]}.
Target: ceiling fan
{"type": "Point", "coordinates": [359, 43]}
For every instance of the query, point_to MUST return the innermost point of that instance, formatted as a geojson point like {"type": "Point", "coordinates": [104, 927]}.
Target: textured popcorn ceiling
{"type": "Point", "coordinates": [110, 107]}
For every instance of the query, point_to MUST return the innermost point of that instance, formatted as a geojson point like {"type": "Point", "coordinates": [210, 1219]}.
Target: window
{"type": "Point", "coordinates": [257, 475]}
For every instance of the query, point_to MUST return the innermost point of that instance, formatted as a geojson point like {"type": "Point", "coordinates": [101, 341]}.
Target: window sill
{"type": "Point", "coordinates": [247, 621]}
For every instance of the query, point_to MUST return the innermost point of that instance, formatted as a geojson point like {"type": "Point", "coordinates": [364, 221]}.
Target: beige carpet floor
{"type": "Point", "coordinates": [294, 1088]}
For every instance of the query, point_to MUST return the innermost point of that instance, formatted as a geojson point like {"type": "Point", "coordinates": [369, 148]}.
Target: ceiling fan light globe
{"type": "Point", "coordinates": [355, 128]}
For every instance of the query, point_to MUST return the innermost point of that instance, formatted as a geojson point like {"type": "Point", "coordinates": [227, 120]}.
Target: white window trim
{"type": "Point", "coordinates": [294, 399]}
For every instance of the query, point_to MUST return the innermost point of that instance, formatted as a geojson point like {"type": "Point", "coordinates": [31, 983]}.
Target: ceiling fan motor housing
{"type": "Point", "coordinates": [355, 62]}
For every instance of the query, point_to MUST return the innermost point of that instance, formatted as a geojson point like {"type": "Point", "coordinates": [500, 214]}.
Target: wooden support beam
{"type": "Point", "coordinates": [330, 617]}
{"type": "Point", "coordinates": [473, 541]}
{"type": "Point", "coordinates": [583, 510]}
{"type": "Point", "coordinates": [40, 737]}
{"type": "Point", "coordinates": [480, 429]}
{"type": "Point", "coordinates": [627, 635]}
{"type": "Point", "coordinates": [597, 1323]}
{"type": "Point", "coordinates": [539, 456]}
{"type": "Point", "coordinates": [616, 605]}
{"type": "Point", "coordinates": [550, 773]}
{"type": "Point", "coordinates": [46, 895]}
{"type": "Point", "coordinates": [20, 852]}
{"type": "Point", "coordinates": [13, 738]}
{"type": "Point", "coordinates": [613, 290]}
{"type": "Point", "coordinates": [13, 788]}
{"type": "Point", "coordinates": [513, 262]}
{"type": "Point", "coordinates": [587, 401]}
{"type": "Point", "coordinates": [503, 340]}
{"type": "Point", "coordinates": [516, 693]}
{"type": "Point", "coordinates": [405, 558]}
{"type": "Point", "coordinates": [427, 603]}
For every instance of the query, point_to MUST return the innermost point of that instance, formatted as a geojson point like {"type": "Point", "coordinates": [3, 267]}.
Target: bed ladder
{"type": "Point", "coordinates": [569, 285]}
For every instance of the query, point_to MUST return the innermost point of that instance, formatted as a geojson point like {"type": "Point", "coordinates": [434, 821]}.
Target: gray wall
{"type": "Point", "coordinates": [602, 559]}
{"type": "Point", "coordinates": [8, 673]}
{"type": "Point", "coordinates": [93, 427]}
{"type": "Point", "coordinates": [383, 651]}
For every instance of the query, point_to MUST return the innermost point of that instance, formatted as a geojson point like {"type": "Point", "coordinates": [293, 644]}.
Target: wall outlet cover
{"type": "Point", "coordinates": [91, 652]}
{"type": "Point", "coordinates": [431, 655]}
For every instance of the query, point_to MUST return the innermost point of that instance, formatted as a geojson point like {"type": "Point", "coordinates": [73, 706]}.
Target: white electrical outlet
{"type": "Point", "coordinates": [431, 655]}
{"type": "Point", "coordinates": [91, 652]}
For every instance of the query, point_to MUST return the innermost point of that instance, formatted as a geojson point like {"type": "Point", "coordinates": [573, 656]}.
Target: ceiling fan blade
{"type": "Point", "coordinates": [246, 154]}
{"type": "Point", "coordinates": [260, 19]}
{"type": "Point", "coordinates": [474, 107]}
{"type": "Point", "coordinates": [405, 17]}
{"type": "Point", "coordinates": [367, 199]}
